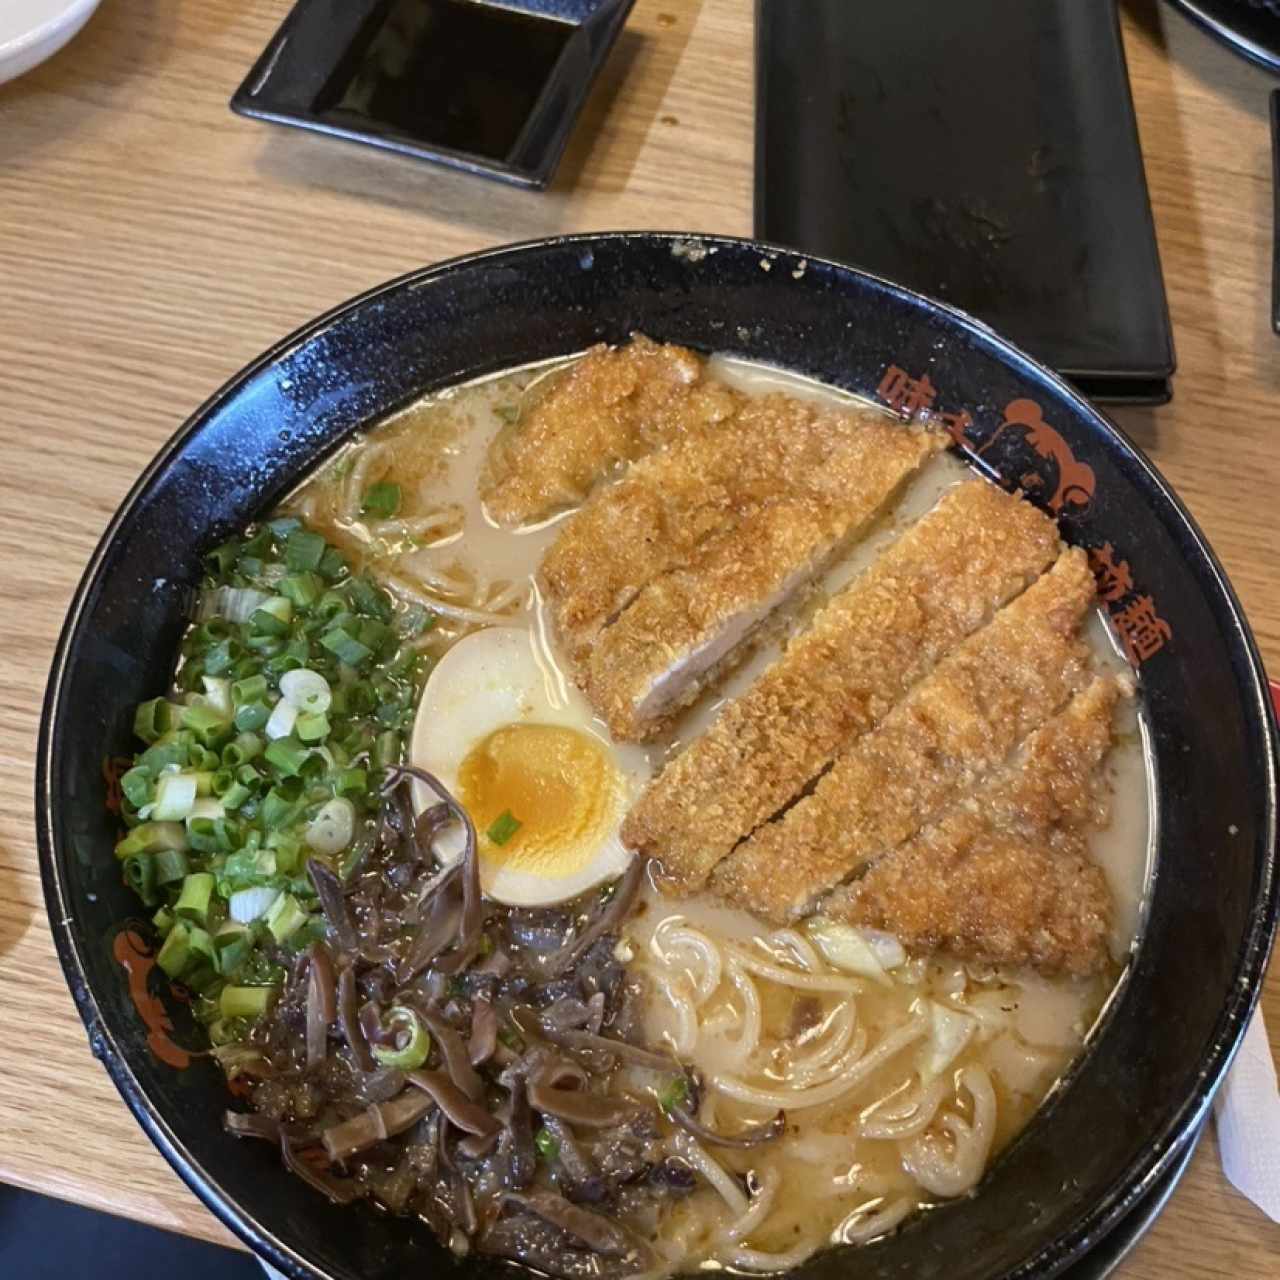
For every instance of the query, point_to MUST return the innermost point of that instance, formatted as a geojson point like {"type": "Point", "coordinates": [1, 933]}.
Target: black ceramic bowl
{"type": "Point", "coordinates": [1122, 1119]}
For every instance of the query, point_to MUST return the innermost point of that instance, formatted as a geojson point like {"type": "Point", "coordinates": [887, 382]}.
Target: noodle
{"type": "Point", "coordinates": [415, 526]}
{"type": "Point", "coordinates": [364, 456]}
{"type": "Point", "coordinates": [677, 936]}
{"type": "Point", "coordinates": [852, 1070]}
{"type": "Point", "coordinates": [761, 1205]}
{"type": "Point", "coordinates": [853, 1231]}
{"type": "Point", "coordinates": [460, 613]}
{"type": "Point", "coordinates": [907, 1121]}
{"type": "Point", "coordinates": [690, 1149]}
{"type": "Point", "coordinates": [685, 1039]}
{"type": "Point", "coordinates": [799, 946]}
{"type": "Point", "coordinates": [926, 1160]}
{"type": "Point", "coordinates": [755, 1260]}
{"type": "Point", "coordinates": [844, 1019]}
{"type": "Point", "coordinates": [744, 1045]}
{"type": "Point", "coordinates": [790, 978]}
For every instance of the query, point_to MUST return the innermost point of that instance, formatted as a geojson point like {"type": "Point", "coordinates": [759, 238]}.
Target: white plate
{"type": "Point", "coordinates": [33, 30]}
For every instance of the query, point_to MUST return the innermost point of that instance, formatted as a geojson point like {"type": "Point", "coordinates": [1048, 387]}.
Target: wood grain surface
{"type": "Point", "coordinates": [151, 244]}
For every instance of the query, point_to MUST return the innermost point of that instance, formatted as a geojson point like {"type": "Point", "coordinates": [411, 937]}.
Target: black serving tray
{"type": "Point", "coordinates": [1250, 27]}
{"type": "Point", "coordinates": [490, 88]}
{"type": "Point", "coordinates": [984, 153]}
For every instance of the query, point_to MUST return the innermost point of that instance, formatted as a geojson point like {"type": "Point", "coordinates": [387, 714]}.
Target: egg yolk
{"type": "Point", "coordinates": [558, 783]}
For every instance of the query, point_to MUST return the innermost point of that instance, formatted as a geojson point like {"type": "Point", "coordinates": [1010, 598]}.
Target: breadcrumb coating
{"type": "Point", "coordinates": [1005, 877]}
{"type": "Point", "coordinates": [607, 409]}
{"type": "Point", "coordinates": [796, 482]}
{"type": "Point", "coordinates": [671, 502]}
{"type": "Point", "coordinates": [935, 584]}
{"type": "Point", "coordinates": [959, 723]}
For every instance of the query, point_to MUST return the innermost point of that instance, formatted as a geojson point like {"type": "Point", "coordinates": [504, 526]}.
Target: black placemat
{"type": "Point", "coordinates": [985, 153]}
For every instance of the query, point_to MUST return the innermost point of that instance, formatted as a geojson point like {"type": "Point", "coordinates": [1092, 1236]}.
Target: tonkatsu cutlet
{"type": "Point", "coordinates": [612, 406]}
{"type": "Point", "coordinates": [931, 587]}
{"type": "Point", "coordinates": [820, 477]}
{"type": "Point", "coordinates": [1005, 877]}
{"type": "Point", "coordinates": [771, 455]}
{"type": "Point", "coordinates": [961, 721]}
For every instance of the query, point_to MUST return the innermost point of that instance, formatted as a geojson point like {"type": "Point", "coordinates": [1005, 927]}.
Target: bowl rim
{"type": "Point", "coordinates": [1104, 1212]}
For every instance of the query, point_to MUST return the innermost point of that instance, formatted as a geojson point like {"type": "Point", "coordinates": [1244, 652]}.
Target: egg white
{"type": "Point", "coordinates": [492, 679]}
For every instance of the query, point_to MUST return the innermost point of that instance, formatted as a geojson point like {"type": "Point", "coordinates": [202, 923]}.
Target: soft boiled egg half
{"type": "Point", "coordinates": [521, 751]}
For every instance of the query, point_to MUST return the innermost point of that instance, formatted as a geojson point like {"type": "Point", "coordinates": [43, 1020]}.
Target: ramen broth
{"type": "Point", "coordinates": [769, 1023]}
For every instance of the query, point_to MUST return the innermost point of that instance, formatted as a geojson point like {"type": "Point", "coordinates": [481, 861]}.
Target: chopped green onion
{"type": "Point", "coordinates": [283, 526]}
{"type": "Point", "coordinates": [207, 723]}
{"type": "Point", "coordinates": [381, 500]}
{"type": "Point", "coordinates": [346, 648]}
{"type": "Point", "coordinates": [245, 1002]}
{"type": "Point", "coordinates": [234, 796]}
{"type": "Point", "coordinates": [412, 1043]}
{"type": "Point", "coordinates": [201, 946]}
{"type": "Point", "coordinates": [280, 725]}
{"type": "Point", "coordinates": [150, 837]}
{"type": "Point", "coordinates": [304, 589]}
{"type": "Point", "coordinates": [221, 560]}
{"type": "Point", "coordinates": [217, 695]}
{"type": "Point", "coordinates": [286, 754]}
{"type": "Point", "coordinates": [153, 719]}
{"type": "Point", "coordinates": [193, 901]}
{"type": "Point", "coordinates": [288, 851]}
{"type": "Point", "coordinates": [175, 795]}
{"type": "Point", "coordinates": [304, 551]}
{"type": "Point", "coordinates": [306, 690]}
{"type": "Point", "coordinates": [251, 689]}
{"type": "Point", "coordinates": [140, 876]}
{"type": "Point", "coordinates": [233, 947]}
{"type": "Point", "coordinates": [243, 749]}
{"type": "Point", "coordinates": [285, 917]}
{"type": "Point", "coordinates": [369, 599]}
{"type": "Point", "coordinates": [374, 634]}
{"type": "Point", "coordinates": [676, 1094]}
{"type": "Point", "coordinates": [351, 782]}
{"type": "Point", "coordinates": [386, 749]}
{"type": "Point", "coordinates": [267, 624]}
{"type": "Point", "coordinates": [172, 865]}
{"type": "Point", "coordinates": [247, 905]}
{"type": "Point", "coordinates": [548, 1147]}
{"type": "Point", "coordinates": [333, 828]}
{"type": "Point", "coordinates": [176, 951]}
{"type": "Point", "coordinates": [138, 786]}
{"type": "Point", "coordinates": [312, 728]}
{"type": "Point", "coordinates": [414, 621]}
{"type": "Point", "coordinates": [332, 565]}
{"type": "Point", "coordinates": [173, 748]}
{"type": "Point", "coordinates": [203, 760]}
{"type": "Point", "coordinates": [252, 716]}
{"type": "Point", "coordinates": [163, 920]}
{"type": "Point", "coordinates": [503, 828]}
{"type": "Point", "coordinates": [279, 808]}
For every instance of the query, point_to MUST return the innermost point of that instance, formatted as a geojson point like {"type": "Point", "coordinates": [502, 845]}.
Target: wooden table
{"type": "Point", "coordinates": [151, 244]}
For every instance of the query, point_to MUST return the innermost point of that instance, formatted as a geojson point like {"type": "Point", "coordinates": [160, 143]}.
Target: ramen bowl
{"type": "Point", "coordinates": [1121, 1120]}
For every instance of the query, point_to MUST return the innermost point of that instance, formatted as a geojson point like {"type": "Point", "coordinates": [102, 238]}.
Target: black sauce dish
{"type": "Point", "coordinates": [1123, 1118]}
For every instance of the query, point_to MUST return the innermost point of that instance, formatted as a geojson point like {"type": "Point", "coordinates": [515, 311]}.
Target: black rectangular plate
{"type": "Point", "coordinates": [984, 153]}
{"type": "Point", "coordinates": [492, 88]}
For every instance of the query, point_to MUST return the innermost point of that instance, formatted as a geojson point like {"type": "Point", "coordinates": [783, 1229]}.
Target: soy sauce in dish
{"type": "Point", "coordinates": [463, 74]}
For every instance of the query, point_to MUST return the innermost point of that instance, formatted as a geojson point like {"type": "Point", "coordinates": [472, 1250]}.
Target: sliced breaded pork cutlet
{"type": "Point", "coordinates": [935, 584]}
{"type": "Point", "coordinates": [960, 722]}
{"type": "Point", "coordinates": [707, 485]}
{"type": "Point", "coordinates": [1006, 877]}
{"type": "Point", "coordinates": [793, 482]}
{"type": "Point", "coordinates": [611, 407]}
